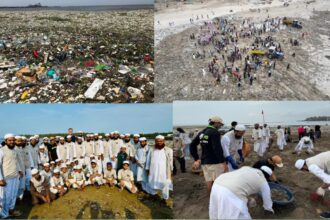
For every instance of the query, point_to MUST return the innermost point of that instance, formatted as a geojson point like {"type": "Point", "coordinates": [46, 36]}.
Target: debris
{"type": "Point", "coordinates": [134, 92]}
{"type": "Point", "coordinates": [94, 88]}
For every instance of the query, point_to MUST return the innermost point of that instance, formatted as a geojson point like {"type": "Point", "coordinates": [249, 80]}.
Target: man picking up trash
{"type": "Point", "coordinates": [319, 165]}
{"type": "Point", "coordinates": [232, 143]}
{"type": "Point", "coordinates": [212, 160]}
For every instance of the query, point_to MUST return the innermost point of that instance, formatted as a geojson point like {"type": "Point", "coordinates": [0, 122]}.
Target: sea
{"type": "Point", "coordinates": [81, 8]}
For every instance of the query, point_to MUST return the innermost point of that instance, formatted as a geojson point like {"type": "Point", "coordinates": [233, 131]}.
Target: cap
{"type": "Point", "coordinates": [160, 137]}
{"type": "Point", "coordinates": [240, 127]}
{"type": "Point", "coordinates": [46, 164]}
{"type": "Point", "coordinates": [109, 164]}
{"type": "Point", "coordinates": [142, 139]}
{"type": "Point", "coordinates": [136, 135]}
{"type": "Point", "coordinates": [78, 167]}
{"type": "Point", "coordinates": [52, 162]}
{"type": "Point", "coordinates": [299, 164]}
{"type": "Point", "coordinates": [57, 160]}
{"type": "Point", "coordinates": [93, 161]}
{"type": "Point", "coordinates": [34, 171]}
{"type": "Point", "coordinates": [126, 162]}
{"type": "Point", "coordinates": [277, 160]}
{"type": "Point", "coordinates": [63, 166]}
{"type": "Point", "coordinates": [267, 170]}
{"type": "Point", "coordinates": [216, 119]}
{"type": "Point", "coordinates": [41, 147]}
{"type": "Point", "coordinates": [56, 170]}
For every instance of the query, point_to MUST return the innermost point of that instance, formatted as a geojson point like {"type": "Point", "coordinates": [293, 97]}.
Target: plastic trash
{"type": "Point", "coordinates": [124, 69]}
{"type": "Point", "coordinates": [100, 67]}
{"type": "Point", "coordinates": [94, 88]}
{"type": "Point", "coordinates": [134, 92]}
{"type": "Point", "coordinates": [24, 95]}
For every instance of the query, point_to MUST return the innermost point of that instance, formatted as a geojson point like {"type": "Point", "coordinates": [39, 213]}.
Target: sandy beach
{"type": "Point", "coordinates": [179, 76]}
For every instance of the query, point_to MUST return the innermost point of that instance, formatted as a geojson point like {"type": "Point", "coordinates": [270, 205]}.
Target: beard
{"type": "Point", "coordinates": [238, 137]}
{"type": "Point", "coordinates": [11, 146]}
{"type": "Point", "coordinates": [126, 141]}
{"type": "Point", "coordinates": [159, 147]}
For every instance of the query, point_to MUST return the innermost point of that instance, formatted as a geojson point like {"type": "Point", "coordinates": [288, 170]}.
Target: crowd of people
{"type": "Point", "coordinates": [220, 40]}
{"type": "Point", "coordinates": [231, 184]}
{"type": "Point", "coordinates": [47, 169]}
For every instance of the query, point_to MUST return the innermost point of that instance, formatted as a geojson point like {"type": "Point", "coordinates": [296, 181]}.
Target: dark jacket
{"type": "Point", "coordinates": [209, 139]}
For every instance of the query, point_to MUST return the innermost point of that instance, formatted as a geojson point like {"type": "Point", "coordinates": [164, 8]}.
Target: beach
{"type": "Point", "coordinates": [179, 76]}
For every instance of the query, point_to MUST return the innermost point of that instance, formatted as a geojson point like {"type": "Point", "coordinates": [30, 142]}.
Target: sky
{"type": "Point", "coordinates": [73, 2]}
{"type": "Point", "coordinates": [249, 112]}
{"type": "Point", "coordinates": [53, 118]}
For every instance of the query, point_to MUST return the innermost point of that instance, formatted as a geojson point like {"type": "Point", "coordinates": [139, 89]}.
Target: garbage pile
{"type": "Point", "coordinates": [76, 57]}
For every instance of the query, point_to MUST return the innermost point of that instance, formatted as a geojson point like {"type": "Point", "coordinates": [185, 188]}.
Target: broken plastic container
{"type": "Point", "coordinates": [94, 88]}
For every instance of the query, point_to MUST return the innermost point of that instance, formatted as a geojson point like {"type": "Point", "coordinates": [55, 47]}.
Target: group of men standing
{"type": "Point", "coordinates": [49, 168]}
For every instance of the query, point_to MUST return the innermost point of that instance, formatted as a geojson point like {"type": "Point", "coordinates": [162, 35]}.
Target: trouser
{"type": "Point", "coordinates": [97, 179]}
{"type": "Point", "coordinates": [77, 184]}
{"type": "Point", "coordinates": [109, 180]}
{"type": "Point", "coordinates": [301, 135]}
{"type": "Point", "coordinates": [128, 185]}
{"type": "Point", "coordinates": [28, 176]}
{"type": "Point", "coordinates": [21, 187]}
{"type": "Point", "coordinates": [9, 195]}
{"type": "Point", "coordinates": [182, 162]}
{"type": "Point", "coordinates": [187, 152]}
{"type": "Point", "coordinates": [55, 191]}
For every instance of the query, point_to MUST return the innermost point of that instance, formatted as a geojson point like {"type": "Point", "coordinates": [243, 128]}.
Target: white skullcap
{"type": "Point", "coordinates": [160, 137]}
{"type": "Point", "coordinates": [240, 127]}
{"type": "Point", "coordinates": [68, 163]}
{"type": "Point", "coordinates": [96, 134]}
{"type": "Point", "coordinates": [61, 138]}
{"type": "Point", "coordinates": [18, 137]}
{"type": "Point", "coordinates": [100, 137]}
{"type": "Point", "coordinates": [37, 136]}
{"type": "Point", "coordinates": [52, 162]}
{"type": "Point", "coordinates": [45, 138]}
{"type": "Point", "coordinates": [299, 164]}
{"type": "Point", "coordinates": [75, 167]}
{"type": "Point", "coordinates": [107, 134]}
{"type": "Point", "coordinates": [112, 133]}
{"type": "Point", "coordinates": [93, 161]}
{"type": "Point", "coordinates": [62, 165]}
{"type": "Point", "coordinates": [92, 155]}
{"type": "Point", "coordinates": [33, 137]}
{"type": "Point", "coordinates": [41, 147]}
{"type": "Point", "coordinates": [124, 146]}
{"type": "Point", "coordinates": [306, 138]}
{"type": "Point", "coordinates": [78, 167]}
{"type": "Point", "coordinates": [127, 134]}
{"type": "Point", "coordinates": [136, 135]}
{"type": "Point", "coordinates": [56, 170]}
{"type": "Point", "coordinates": [23, 137]}
{"type": "Point", "coordinates": [69, 136]}
{"type": "Point", "coordinates": [116, 132]}
{"type": "Point", "coordinates": [142, 139]}
{"type": "Point", "coordinates": [122, 135]}
{"type": "Point", "coordinates": [126, 162]}
{"type": "Point", "coordinates": [34, 171]}
{"type": "Point", "coordinates": [267, 170]}
{"type": "Point", "coordinates": [46, 164]}
{"type": "Point", "coordinates": [79, 138]}
{"type": "Point", "coordinates": [57, 160]}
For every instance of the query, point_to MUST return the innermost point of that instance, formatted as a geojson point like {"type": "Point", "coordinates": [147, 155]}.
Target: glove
{"type": "Point", "coordinates": [320, 191]}
{"type": "Point", "coordinates": [241, 158]}
{"type": "Point", "coordinates": [232, 162]}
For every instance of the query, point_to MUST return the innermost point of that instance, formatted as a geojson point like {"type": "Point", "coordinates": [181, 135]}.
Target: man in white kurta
{"type": "Point", "coordinates": [107, 149]}
{"type": "Point", "coordinates": [21, 156]}
{"type": "Point", "coordinates": [232, 143]}
{"type": "Point", "coordinates": [89, 147]}
{"type": "Point", "coordinates": [9, 162]}
{"type": "Point", "coordinates": [116, 144]}
{"type": "Point", "coordinates": [34, 147]}
{"type": "Point", "coordinates": [159, 166]}
{"type": "Point", "coordinates": [62, 150]}
{"type": "Point", "coordinates": [256, 137]}
{"type": "Point", "coordinates": [80, 150]}
{"type": "Point", "coordinates": [304, 143]}
{"type": "Point", "coordinates": [70, 148]}
{"type": "Point", "coordinates": [319, 165]}
{"type": "Point", "coordinates": [230, 193]}
{"type": "Point", "coordinates": [98, 150]}
{"type": "Point", "coordinates": [266, 133]}
{"type": "Point", "coordinates": [280, 138]}
{"type": "Point", "coordinates": [27, 162]}
{"type": "Point", "coordinates": [140, 159]}
{"type": "Point", "coordinates": [57, 184]}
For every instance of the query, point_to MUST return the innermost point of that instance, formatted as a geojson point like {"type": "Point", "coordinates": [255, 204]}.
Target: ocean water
{"type": "Point", "coordinates": [82, 8]}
